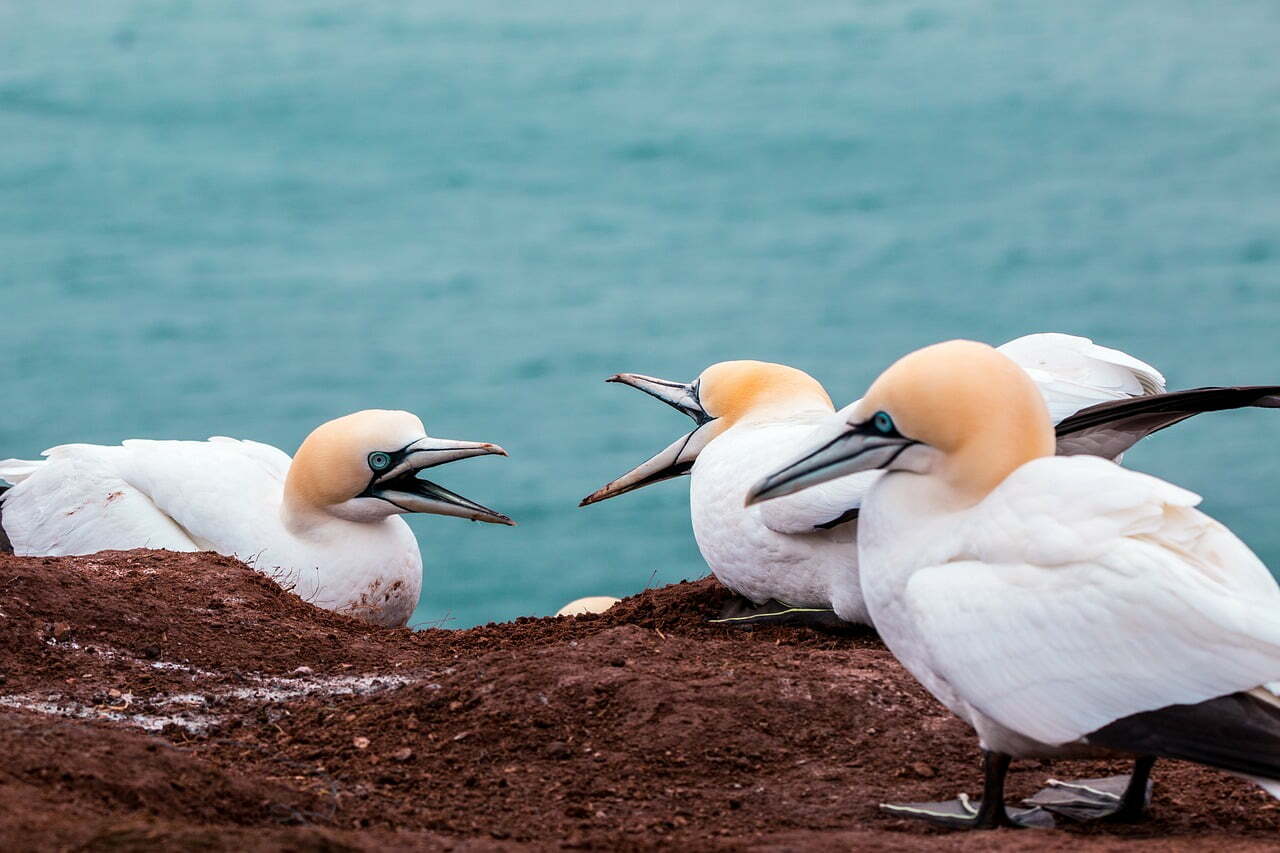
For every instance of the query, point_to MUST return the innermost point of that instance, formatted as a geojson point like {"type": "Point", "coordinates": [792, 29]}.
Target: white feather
{"type": "Point", "coordinates": [1076, 593]}
{"type": "Point", "coordinates": [774, 550]}
{"type": "Point", "coordinates": [1073, 373]}
{"type": "Point", "coordinates": [14, 471]}
{"type": "Point", "coordinates": [220, 495]}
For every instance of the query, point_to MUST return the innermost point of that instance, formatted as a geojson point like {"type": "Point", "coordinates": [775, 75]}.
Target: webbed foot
{"type": "Point", "coordinates": [964, 813]}
{"type": "Point", "coordinates": [1115, 798]}
{"type": "Point", "coordinates": [742, 613]}
{"type": "Point", "coordinates": [1118, 799]}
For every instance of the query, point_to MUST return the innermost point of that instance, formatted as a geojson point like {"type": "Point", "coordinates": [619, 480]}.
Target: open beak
{"type": "Point", "coordinates": [850, 449]}
{"type": "Point", "coordinates": [401, 486]}
{"type": "Point", "coordinates": [675, 459]}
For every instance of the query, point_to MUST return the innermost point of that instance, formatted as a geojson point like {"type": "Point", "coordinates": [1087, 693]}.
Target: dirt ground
{"type": "Point", "coordinates": [156, 700]}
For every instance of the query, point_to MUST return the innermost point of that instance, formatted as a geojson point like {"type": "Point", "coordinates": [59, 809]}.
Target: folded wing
{"type": "Point", "coordinates": [1092, 594]}
{"type": "Point", "coordinates": [1073, 373]}
{"type": "Point", "coordinates": [220, 494]}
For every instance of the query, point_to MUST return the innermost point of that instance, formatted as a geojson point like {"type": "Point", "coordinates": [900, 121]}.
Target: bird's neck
{"type": "Point", "coordinates": [983, 463]}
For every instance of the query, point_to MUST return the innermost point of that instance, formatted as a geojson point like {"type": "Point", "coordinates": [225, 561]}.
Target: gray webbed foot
{"type": "Point", "coordinates": [741, 613]}
{"type": "Point", "coordinates": [964, 813]}
{"type": "Point", "coordinates": [1115, 798]}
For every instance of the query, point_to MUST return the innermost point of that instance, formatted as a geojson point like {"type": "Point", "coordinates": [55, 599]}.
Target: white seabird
{"type": "Point", "coordinates": [794, 557]}
{"type": "Point", "coordinates": [1061, 606]}
{"type": "Point", "coordinates": [325, 523]}
{"type": "Point", "coordinates": [751, 417]}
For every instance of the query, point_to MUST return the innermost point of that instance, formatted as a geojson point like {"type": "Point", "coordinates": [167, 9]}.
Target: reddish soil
{"type": "Point", "coordinates": [156, 700]}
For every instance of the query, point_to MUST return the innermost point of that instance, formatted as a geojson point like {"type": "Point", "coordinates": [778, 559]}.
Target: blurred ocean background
{"type": "Point", "coordinates": [245, 218]}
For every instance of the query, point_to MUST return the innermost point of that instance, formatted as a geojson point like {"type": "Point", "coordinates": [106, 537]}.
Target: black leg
{"type": "Point", "coordinates": [991, 812]}
{"type": "Point", "coordinates": [1120, 799]}
{"type": "Point", "coordinates": [1133, 803]}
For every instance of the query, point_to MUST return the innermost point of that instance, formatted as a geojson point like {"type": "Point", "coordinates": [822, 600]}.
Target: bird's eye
{"type": "Point", "coordinates": [882, 422]}
{"type": "Point", "coordinates": [379, 461]}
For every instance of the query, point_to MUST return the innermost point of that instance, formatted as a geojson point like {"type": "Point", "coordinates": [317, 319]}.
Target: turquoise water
{"type": "Point", "coordinates": [244, 218]}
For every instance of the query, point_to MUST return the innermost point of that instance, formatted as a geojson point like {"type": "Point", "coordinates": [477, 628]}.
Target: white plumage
{"type": "Point", "coordinates": [175, 495]}
{"type": "Point", "coordinates": [774, 550]}
{"type": "Point", "coordinates": [1073, 373]}
{"type": "Point", "coordinates": [1074, 594]}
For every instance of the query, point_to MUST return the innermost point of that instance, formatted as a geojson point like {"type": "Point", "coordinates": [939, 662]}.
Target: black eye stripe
{"type": "Point", "coordinates": [394, 458]}
{"type": "Point", "coordinates": [701, 416]}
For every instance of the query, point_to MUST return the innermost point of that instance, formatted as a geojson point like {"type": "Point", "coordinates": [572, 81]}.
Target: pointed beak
{"type": "Point", "coordinates": [401, 486]}
{"type": "Point", "coordinates": [847, 449]}
{"type": "Point", "coordinates": [681, 396]}
{"type": "Point", "coordinates": [677, 458]}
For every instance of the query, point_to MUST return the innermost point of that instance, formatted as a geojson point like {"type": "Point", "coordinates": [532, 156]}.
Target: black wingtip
{"type": "Point", "coordinates": [843, 518]}
{"type": "Point", "coordinates": [1109, 429]}
{"type": "Point", "coordinates": [1180, 404]}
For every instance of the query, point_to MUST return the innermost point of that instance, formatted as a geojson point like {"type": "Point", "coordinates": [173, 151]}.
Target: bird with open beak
{"type": "Point", "coordinates": [326, 523]}
{"type": "Point", "coordinates": [750, 417]}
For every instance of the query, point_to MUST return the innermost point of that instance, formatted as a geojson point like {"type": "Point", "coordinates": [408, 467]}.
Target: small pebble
{"type": "Point", "coordinates": [361, 742]}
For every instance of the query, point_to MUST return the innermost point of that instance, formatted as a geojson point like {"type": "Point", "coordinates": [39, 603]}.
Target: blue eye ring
{"type": "Point", "coordinates": [882, 422]}
{"type": "Point", "coordinates": [379, 461]}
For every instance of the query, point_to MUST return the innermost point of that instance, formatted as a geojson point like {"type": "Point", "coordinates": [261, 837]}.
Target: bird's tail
{"type": "Point", "coordinates": [14, 471]}
{"type": "Point", "coordinates": [1239, 733]}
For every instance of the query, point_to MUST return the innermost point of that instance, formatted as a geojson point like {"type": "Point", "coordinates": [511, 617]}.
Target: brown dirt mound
{"type": "Point", "coordinates": [150, 699]}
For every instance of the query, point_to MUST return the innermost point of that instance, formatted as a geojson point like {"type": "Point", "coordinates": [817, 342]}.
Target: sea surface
{"type": "Point", "coordinates": [244, 218]}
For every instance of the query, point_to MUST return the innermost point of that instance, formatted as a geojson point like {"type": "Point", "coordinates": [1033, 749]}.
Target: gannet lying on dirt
{"type": "Point", "coordinates": [1060, 606]}
{"type": "Point", "coordinates": [325, 524]}
{"type": "Point", "coordinates": [795, 557]}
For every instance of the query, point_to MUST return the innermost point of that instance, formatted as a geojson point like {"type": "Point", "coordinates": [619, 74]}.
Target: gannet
{"type": "Point", "coordinates": [325, 524]}
{"type": "Point", "coordinates": [1062, 606]}
{"type": "Point", "coordinates": [751, 417]}
{"type": "Point", "coordinates": [794, 556]}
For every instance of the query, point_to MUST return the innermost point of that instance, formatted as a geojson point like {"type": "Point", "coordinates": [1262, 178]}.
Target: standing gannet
{"type": "Point", "coordinates": [1062, 606]}
{"type": "Point", "coordinates": [794, 557]}
{"type": "Point", "coordinates": [325, 524]}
